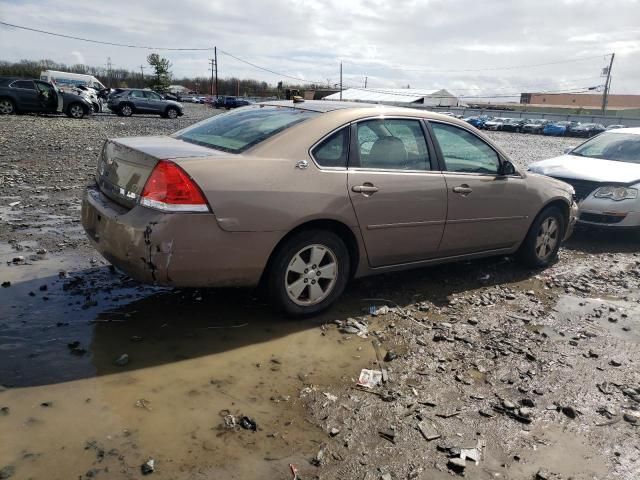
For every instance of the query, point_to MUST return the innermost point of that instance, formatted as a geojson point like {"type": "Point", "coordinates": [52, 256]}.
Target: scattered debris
{"type": "Point", "coordinates": [369, 378]}
{"type": "Point", "coordinates": [428, 430]}
{"type": "Point", "coordinates": [122, 360]}
{"type": "Point", "coordinates": [248, 423]}
{"type": "Point", "coordinates": [143, 403]}
{"type": "Point", "coordinates": [7, 472]}
{"type": "Point", "coordinates": [148, 467]}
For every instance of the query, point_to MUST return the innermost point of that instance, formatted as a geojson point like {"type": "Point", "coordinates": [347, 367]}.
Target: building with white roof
{"type": "Point", "coordinates": [431, 98]}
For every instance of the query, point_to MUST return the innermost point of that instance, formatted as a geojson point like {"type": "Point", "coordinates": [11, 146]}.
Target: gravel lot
{"type": "Point", "coordinates": [535, 374]}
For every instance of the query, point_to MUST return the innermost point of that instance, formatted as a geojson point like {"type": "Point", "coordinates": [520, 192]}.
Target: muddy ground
{"type": "Point", "coordinates": [534, 373]}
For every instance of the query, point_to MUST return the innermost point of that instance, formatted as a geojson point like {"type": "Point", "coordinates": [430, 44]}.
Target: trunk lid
{"type": "Point", "coordinates": [126, 163]}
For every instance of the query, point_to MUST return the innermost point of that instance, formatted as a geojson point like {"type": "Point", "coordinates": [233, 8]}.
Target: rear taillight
{"type": "Point", "coordinates": [170, 189]}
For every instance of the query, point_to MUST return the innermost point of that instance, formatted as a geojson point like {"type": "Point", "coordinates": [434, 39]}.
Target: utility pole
{"type": "Point", "coordinates": [211, 62]}
{"type": "Point", "coordinates": [215, 56]}
{"type": "Point", "coordinates": [142, 74]}
{"type": "Point", "coordinates": [607, 86]}
{"type": "Point", "coordinates": [109, 70]}
{"type": "Point", "coordinates": [365, 81]}
{"type": "Point", "coordinates": [340, 80]}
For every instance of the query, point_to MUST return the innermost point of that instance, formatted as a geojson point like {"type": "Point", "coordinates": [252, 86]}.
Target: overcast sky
{"type": "Point", "coordinates": [426, 44]}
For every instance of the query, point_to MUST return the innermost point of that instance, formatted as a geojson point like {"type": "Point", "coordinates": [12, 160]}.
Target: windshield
{"type": "Point", "coordinates": [243, 128]}
{"type": "Point", "coordinates": [622, 147]}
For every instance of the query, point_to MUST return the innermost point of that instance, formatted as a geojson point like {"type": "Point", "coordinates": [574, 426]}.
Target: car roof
{"type": "Point", "coordinates": [7, 80]}
{"type": "Point", "coordinates": [358, 109]}
{"type": "Point", "coordinates": [633, 130]}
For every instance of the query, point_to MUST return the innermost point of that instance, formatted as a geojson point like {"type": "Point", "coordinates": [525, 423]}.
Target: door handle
{"type": "Point", "coordinates": [463, 189]}
{"type": "Point", "coordinates": [367, 188]}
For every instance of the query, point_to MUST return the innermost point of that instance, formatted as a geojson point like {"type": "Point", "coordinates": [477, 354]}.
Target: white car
{"type": "Point", "coordinates": [605, 173]}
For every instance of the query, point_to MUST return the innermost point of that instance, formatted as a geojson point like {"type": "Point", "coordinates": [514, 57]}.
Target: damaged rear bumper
{"type": "Point", "coordinates": [175, 249]}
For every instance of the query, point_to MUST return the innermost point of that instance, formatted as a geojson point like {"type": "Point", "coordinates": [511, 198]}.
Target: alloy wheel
{"type": "Point", "coordinates": [126, 111]}
{"type": "Point", "coordinates": [6, 107]}
{"type": "Point", "coordinates": [76, 111]}
{"type": "Point", "coordinates": [547, 238]}
{"type": "Point", "coordinates": [311, 275]}
{"type": "Point", "coordinates": [172, 113]}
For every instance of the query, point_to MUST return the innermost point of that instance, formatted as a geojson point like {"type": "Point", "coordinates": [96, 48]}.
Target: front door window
{"type": "Point", "coordinates": [463, 152]}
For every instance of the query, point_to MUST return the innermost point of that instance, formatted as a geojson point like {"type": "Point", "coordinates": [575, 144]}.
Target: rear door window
{"type": "Point", "coordinates": [137, 94]}
{"type": "Point", "coordinates": [333, 150]}
{"type": "Point", "coordinates": [241, 129]}
{"type": "Point", "coordinates": [152, 96]}
{"type": "Point", "coordinates": [25, 84]}
{"type": "Point", "coordinates": [396, 144]}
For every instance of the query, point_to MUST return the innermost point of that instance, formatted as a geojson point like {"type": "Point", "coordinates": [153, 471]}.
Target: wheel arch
{"type": "Point", "coordinates": [557, 202]}
{"type": "Point", "coordinates": [345, 233]}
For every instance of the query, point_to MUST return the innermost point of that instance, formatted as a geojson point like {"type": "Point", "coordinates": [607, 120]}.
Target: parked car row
{"type": "Point", "coordinates": [539, 126]}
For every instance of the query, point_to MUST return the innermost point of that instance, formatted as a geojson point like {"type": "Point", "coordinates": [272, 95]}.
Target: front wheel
{"type": "Point", "coordinates": [75, 110]}
{"type": "Point", "coordinates": [541, 245]}
{"type": "Point", "coordinates": [308, 273]}
{"type": "Point", "coordinates": [171, 112]}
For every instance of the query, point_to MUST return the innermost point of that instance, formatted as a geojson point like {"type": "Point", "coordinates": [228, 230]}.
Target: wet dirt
{"type": "Point", "coordinates": [467, 336]}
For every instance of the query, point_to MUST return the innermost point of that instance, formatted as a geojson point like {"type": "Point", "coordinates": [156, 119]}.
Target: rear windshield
{"type": "Point", "coordinates": [622, 147]}
{"type": "Point", "coordinates": [243, 128]}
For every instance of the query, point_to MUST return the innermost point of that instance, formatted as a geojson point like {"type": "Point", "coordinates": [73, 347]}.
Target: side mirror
{"type": "Point", "coordinates": [507, 168]}
{"type": "Point", "coordinates": [568, 149]}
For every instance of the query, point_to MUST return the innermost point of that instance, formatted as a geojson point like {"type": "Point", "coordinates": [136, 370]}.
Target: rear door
{"type": "Point", "coordinates": [397, 192]}
{"type": "Point", "coordinates": [27, 95]}
{"type": "Point", "coordinates": [140, 101]}
{"type": "Point", "coordinates": [487, 210]}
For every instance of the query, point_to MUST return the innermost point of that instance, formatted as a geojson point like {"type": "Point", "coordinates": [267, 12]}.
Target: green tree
{"type": "Point", "coordinates": [162, 77]}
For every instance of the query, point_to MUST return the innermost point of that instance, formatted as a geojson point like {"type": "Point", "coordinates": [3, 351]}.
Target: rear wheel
{"type": "Point", "coordinates": [126, 110]}
{"type": "Point", "coordinates": [541, 245]}
{"type": "Point", "coordinates": [308, 273]}
{"type": "Point", "coordinates": [171, 112]}
{"type": "Point", "coordinates": [7, 107]}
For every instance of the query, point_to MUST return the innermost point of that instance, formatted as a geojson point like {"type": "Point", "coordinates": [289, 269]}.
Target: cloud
{"type": "Point", "coordinates": [424, 43]}
{"type": "Point", "coordinates": [78, 57]}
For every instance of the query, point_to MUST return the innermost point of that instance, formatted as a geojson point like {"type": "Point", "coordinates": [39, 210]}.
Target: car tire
{"type": "Point", "coordinates": [96, 108]}
{"type": "Point", "coordinates": [126, 110]}
{"type": "Point", "coordinates": [7, 107]}
{"type": "Point", "coordinates": [291, 278]}
{"type": "Point", "coordinates": [76, 110]}
{"type": "Point", "coordinates": [540, 247]}
{"type": "Point", "coordinates": [171, 112]}
{"type": "Point", "coordinates": [518, 130]}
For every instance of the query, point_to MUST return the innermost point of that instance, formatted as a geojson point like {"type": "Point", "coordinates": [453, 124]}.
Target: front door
{"type": "Point", "coordinates": [48, 97]}
{"type": "Point", "coordinates": [154, 102]}
{"type": "Point", "coordinates": [399, 200]}
{"type": "Point", "coordinates": [140, 101]}
{"type": "Point", "coordinates": [487, 210]}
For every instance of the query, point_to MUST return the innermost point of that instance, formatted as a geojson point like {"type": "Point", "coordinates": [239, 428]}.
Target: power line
{"type": "Point", "coordinates": [417, 69]}
{"type": "Point", "coordinates": [269, 70]}
{"type": "Point", "coordinates": [500, 95]}
{"type": "Point", "coordinates": [487, 69]}
{"type": "Point", "coordinates": [100, 41]}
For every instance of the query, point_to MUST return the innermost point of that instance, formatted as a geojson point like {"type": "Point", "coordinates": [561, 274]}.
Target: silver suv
{"type": "Point", "coordinates": [127, 102]}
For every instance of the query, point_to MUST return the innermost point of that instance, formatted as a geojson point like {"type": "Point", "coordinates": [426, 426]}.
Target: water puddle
{"type": "Point", "coordinates": [620, 318]}
{"type": "Point", "coordinates": [192, 358]}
